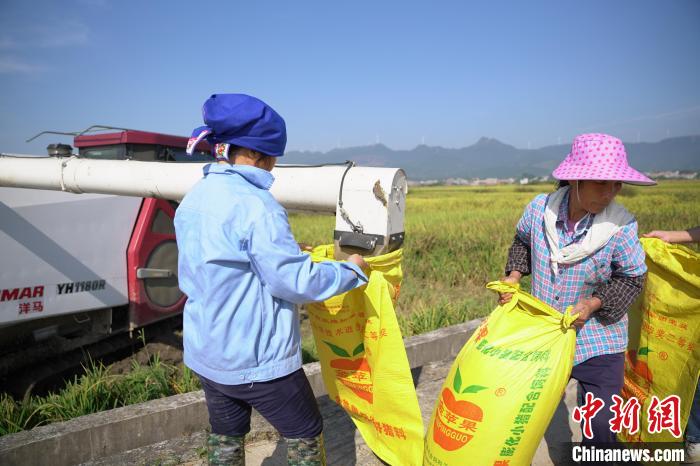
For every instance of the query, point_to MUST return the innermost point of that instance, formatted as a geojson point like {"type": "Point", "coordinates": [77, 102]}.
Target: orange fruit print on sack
{"type": "Point", "coordinates": [355, 374]}
{"type": "Point", "coordinates": [456, 421]}
{"type": "Point", "coordinates": [640, 367]}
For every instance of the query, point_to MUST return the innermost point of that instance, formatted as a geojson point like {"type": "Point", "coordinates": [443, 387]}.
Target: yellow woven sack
{"type": "Point", "coordinates": [504, 386]}
{"type": "Point", "coordinates": [364, 363]}
{"type": "Point", "coordinates": [663, 356]}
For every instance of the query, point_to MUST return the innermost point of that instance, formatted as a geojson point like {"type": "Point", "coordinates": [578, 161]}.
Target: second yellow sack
{"type": "Point", "coordinates": [663, 357]}
{"type": "Point", "coordinates": [504, 386]}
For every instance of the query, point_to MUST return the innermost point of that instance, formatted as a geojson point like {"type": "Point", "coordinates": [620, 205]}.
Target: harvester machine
{"type": "Point", "coordinates": [88, 244]}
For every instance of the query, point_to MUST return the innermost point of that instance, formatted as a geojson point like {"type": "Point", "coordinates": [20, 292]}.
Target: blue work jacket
{"type": "Point", "coordinates": [243, 274]}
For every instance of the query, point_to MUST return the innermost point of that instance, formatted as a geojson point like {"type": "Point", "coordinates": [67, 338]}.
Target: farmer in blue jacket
{"type": "Point", "coordinates": [243, 274]}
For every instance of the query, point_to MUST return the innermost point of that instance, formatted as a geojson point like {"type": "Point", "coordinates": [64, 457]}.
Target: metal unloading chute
{"type": "Point", "coordinates": [368, 202]}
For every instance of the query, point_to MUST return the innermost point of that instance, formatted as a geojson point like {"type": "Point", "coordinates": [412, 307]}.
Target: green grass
{"type": "Point", "coordinates": [94, 391]}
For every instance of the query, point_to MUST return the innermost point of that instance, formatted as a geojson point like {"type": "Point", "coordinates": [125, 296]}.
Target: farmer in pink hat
{"type": "Point", "coordinates": [582, 250]}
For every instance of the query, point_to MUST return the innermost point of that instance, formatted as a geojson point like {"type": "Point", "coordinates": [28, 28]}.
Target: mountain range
{"type": "Point", "coordinates": [492, 158]}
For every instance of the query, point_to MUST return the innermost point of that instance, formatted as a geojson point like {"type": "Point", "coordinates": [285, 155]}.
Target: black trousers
{"type": "Point", "coordinates": [603, 376]}
{"type": "Point", "coordinates": [288, 403]}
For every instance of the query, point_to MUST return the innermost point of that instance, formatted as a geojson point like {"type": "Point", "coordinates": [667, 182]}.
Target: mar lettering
{"type": "Point", "coordinates": [13, 294]}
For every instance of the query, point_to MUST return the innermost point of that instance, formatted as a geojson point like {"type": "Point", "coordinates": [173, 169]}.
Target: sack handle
{"type": "Point", "coordinates": [567, 319]}
{"type": "Point", "coordinates": [501, 287]}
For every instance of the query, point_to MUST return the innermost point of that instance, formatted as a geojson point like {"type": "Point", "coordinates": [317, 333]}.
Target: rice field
{"type": "Point", "coordinates": [457, 239]}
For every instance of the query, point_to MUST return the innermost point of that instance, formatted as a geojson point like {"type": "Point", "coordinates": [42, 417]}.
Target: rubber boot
{"type": "Point", "coordinates": [223, 450]}
{"type": "Point", "coordinates": [306, 451]}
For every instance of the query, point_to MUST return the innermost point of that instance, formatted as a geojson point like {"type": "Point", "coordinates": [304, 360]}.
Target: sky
{"type": "Point", "coordinates": [401, 73]}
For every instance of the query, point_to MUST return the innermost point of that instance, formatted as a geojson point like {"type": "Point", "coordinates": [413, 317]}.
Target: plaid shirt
{"type": "Point", "coordinates": [614, 273]}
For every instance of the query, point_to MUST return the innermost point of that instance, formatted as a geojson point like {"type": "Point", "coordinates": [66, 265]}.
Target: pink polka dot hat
{"type": "Point", "coordinates": [597, 156]}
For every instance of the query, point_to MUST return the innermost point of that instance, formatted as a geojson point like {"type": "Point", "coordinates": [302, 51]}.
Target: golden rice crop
{"type": "Point", "coordinates": [457, 240]}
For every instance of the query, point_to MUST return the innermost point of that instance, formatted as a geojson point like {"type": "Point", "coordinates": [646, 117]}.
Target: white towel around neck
{"type": "Point", "coordinates": [605, 225]}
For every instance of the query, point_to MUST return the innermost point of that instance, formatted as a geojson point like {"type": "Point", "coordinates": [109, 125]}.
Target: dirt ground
{"type": "Point", "coordinates": [167, 344]}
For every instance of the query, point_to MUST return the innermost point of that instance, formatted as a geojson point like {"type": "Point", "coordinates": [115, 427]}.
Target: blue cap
{"type": "Point", "coordinates": [240, 120]}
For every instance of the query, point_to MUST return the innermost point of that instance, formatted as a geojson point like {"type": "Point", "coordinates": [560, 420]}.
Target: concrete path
{"type": "Point", "coordinates": [344, 445]}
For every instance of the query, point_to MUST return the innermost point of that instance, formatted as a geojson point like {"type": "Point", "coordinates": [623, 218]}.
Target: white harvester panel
{"type": "Point", "coordinates": [62, 253]}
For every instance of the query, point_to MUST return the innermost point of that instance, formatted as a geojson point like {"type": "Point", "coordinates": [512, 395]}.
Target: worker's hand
{"type": "Point", "coordinates": [669, 236]}
{"type": "Point", "coordinates": [306, 247]}
{"type": "Point", "coordinates": [585, 308]}
{"type": "Point", "coordinates": [359, 261]}
{"type": "Point", "coordinates": [513, 278]}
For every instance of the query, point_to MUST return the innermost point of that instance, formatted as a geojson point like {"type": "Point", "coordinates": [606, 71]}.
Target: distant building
{"type": "Point", "coordinates": [674, 174]}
